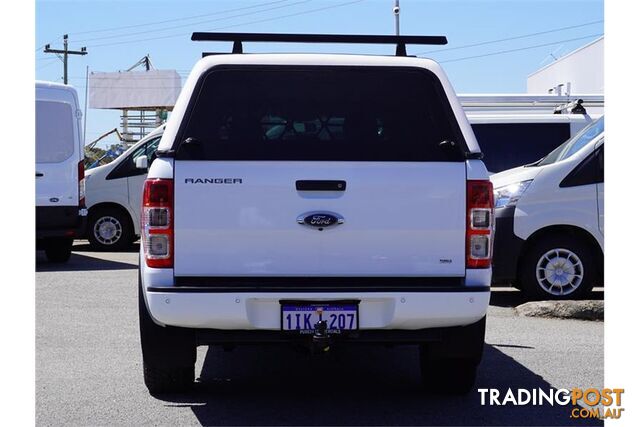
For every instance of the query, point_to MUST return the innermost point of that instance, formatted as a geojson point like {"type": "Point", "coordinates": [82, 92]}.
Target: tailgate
{"type": "Point", "coordinates": [399, 219]}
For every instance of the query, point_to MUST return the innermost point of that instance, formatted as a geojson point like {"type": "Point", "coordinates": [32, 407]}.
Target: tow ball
{"type": "Point", "coordinates": [321, 342]}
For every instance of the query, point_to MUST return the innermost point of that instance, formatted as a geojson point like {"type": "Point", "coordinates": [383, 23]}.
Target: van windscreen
{"type": "Point", "coordinates": [508, 145]}
{"type": "Point", "coordinates": [54, 132]}
{"type": "Point", "coordinates": [320, 113]}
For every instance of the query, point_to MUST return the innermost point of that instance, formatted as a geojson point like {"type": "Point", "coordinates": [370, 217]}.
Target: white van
{"type": "Point", "coordinates": [60, 206]}
{"type": "Point", "coordinates": [114, 195]}
{"type": "Point", "coordinates": [550, 220]}
{"type": "Point", "coordinates": [511, 139]}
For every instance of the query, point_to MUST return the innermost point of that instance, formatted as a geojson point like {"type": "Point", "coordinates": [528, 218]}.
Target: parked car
{"type": "Point", "coordinates": [114, 195]}
{"type": "Point", "coordinates": [550, 220]}
{"type": "Point", "coordinates": [320, 199]}
{"type": "Point", "coordinates": [60, 205]}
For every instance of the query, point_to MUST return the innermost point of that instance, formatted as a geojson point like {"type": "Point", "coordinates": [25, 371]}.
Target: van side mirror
{"type": "Point", "coordinates": [142, 162]}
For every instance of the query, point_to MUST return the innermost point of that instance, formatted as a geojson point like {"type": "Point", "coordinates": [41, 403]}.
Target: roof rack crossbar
{"type": "Point", "coordinates": [399, 41]}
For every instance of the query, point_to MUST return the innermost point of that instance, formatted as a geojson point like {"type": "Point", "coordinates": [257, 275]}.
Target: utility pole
{"type": "Point", "coordinates": [65, 54]}
{"type": "Point", "coordinates": [396, 13]}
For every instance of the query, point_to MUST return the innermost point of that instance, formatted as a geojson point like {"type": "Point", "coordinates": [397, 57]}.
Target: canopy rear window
{"type": "Point", "coordinates": [321, 113]}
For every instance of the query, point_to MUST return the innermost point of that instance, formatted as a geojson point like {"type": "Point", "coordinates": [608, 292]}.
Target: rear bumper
{"type": "Point", "coordinates": [457, 342]}
{"type": "Point", "coordinates": [251, 311]}
{"type": "Point", "coordinates": [60, 221]}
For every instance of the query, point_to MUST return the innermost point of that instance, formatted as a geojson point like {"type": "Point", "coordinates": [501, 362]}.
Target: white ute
{"type": "Point", "coordinates": [317, 199]}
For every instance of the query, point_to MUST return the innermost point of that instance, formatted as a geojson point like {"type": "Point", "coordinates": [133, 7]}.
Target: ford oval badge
{"type": "Point", "coordinates": [320, 220]}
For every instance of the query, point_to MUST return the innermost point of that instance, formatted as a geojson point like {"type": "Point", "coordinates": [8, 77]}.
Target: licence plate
{"type": "Point", "coordinates": [301, 317]}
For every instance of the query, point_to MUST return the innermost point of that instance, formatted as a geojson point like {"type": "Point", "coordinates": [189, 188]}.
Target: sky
{"type": "Point", "coordinates": [477, 59]}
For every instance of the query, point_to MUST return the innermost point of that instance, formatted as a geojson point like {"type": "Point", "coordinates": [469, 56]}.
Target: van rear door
{"type": "Point", "coordinates": [58, 148]}
{"type": "Point", "coordinates": [319, 171]}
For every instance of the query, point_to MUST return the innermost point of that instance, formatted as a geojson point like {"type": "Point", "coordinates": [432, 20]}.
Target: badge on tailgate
{"type": "Point", "coordinates": [320, 220]}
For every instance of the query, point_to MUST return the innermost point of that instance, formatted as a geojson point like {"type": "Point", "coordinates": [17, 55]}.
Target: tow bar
{"type": "Point", "coordinates": [321, 342]}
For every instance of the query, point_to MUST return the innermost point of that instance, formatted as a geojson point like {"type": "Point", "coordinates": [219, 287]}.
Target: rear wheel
{"type": "Point", "coordinates": [450, 376]}
{"type": "Point", "coordinates": [450, 366]}
{"type": "Point", "coordinates": [110, 229]}
{"type": "Point", "coordinates": [168, 353]}
{"type": "Point", "coordinates": [559, 267]}
{"type": "Point", "coordinates": [58, 249]}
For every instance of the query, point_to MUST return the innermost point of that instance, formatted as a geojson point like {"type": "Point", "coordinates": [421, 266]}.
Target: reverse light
{"type": "Point", "coordinates": [157, 223]}
{"type": "Point", "coordinates": [480, 224]}
{"type": "Point", "coordinates": [508, 195]}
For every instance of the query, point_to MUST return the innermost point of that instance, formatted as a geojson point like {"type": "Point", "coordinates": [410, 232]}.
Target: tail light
{"type": "Point", "coordinates": [157, 223]}
{"type": "Point", "coordinates": [480, 224]}
{"type": "Point", "coordinates": [81, 186]}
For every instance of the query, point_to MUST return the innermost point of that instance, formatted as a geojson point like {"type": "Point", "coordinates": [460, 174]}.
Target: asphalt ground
{"type": "Point", "coordinates": [89, 368]}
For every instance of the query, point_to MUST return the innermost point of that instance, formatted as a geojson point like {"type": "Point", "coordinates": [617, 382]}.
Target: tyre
{"type": "Point", "coordinates": [559, 267]}
{"type": "Point", "coordinates": [448, 376]}
{"type": "Point", "coordinates": [168, 354]}
{"type": "Point", "coordinates": [58, 249]}
{"type": "Point", "coordinates": [450, 366]}
{"type": "Point", "coordinates": [109, 229]}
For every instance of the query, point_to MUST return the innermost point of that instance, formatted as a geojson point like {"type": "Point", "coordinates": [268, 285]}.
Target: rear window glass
{"type": "Point", "coordinates": [342, 114]}
{"type": "Point", "coordinates": [508, 145]}
{"type": "Point", "coordinates": [54, 132]}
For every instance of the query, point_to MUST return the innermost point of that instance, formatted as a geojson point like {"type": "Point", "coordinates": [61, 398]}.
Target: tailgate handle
{"type": "Point", "coordinates": [321, 185]}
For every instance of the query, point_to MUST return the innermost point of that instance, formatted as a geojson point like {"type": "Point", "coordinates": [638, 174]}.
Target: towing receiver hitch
{"type": "Point", "coordinates": [321, 341]}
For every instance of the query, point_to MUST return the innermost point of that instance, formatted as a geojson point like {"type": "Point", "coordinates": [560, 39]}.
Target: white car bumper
{"type": "Point", "coordinates": [261, 311]}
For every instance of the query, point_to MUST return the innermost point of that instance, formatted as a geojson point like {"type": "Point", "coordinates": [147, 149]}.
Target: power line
{"type": "Point", "coordinates": [146, 24]}
{"type": "Point", "coordinates": [169, 20]}
{"type": "Point", "coordinates": [45, 65]}
{"type": "Point", "coordinates": [234, 25]}
{"type": "Point", "coordinates": [511, 38]}
{"type": "Point", "coordinates": [520, 49]}
{"type": "Point", "coordinates": [43, 45]}
{"type": "Point", "coordinates": [193, 23]}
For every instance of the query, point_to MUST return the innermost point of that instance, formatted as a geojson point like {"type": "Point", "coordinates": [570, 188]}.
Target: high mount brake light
{"type": "Point", "coordinates": [480, 224]}
{"type": "Point", "coordinates": [157, 223]}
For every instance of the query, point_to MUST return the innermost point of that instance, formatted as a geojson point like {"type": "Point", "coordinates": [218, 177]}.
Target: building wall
{"type": "Point", "coordinates": [582, 68]}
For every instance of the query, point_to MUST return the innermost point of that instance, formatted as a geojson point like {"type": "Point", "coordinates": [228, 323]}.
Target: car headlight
{"type": "Point", "coordinates": [509, 195]}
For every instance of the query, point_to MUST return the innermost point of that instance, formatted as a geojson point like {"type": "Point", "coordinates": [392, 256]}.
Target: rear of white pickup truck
{"type": "Point", "coordinates": [316, 199]}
